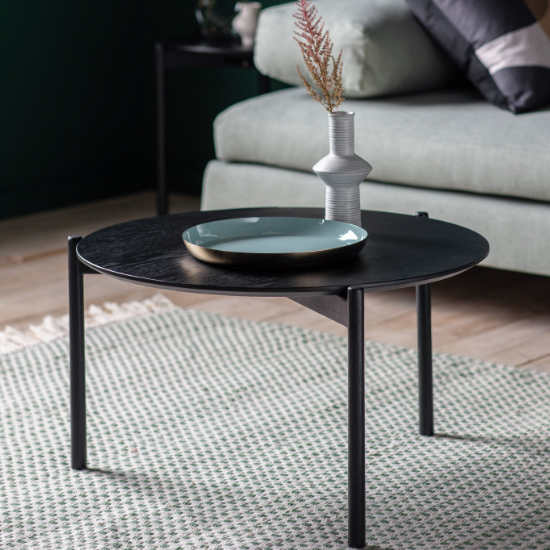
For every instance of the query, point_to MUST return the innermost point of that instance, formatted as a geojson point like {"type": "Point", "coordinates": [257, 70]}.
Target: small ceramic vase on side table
{"type": "Point", "coordinates": [246, 21]}
{"type": "Point", "coordinates": [342, 171]}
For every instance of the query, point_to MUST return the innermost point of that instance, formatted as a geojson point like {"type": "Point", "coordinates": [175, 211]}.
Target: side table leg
{"type": "Point", "coordinates": [425, 376]}
{"type": "Point", "coordinates": [356, 419]}
{"type": "Point", "coordinates": [76, 335]}
{"type": "Point", "coordinates": [162, 193]}
{"type": "Point", "coordinates": [264, 84]}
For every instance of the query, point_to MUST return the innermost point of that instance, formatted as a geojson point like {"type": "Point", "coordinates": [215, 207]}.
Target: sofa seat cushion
{"type": "Point", "coordinates": [451, 139]}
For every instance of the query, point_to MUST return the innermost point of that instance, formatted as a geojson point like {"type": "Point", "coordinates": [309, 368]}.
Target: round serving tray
{"type": "Point", "coordinates": [274, 241]}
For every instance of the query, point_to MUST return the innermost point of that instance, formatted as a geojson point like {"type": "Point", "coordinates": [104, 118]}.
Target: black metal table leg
{"type": "Point", "coordinates": [160, 75]}
{"type": "Point", "coordinates": [76, 335]}
{"type": "Point", "coordinates": [356, 419]}
{"type": "Point", "coordinates": [425, 376]}
{"type": "Point", "coordinates": [264, 84]}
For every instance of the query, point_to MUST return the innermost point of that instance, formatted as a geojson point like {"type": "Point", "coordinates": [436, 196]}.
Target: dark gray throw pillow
{"type": "Point", "coordinates": [503, 47]}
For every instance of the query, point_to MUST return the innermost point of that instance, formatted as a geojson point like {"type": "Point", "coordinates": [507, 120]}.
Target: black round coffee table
{"type": "Point", "coordinates": [400, 251]}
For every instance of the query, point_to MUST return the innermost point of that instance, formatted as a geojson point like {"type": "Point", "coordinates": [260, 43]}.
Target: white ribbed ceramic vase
{"type": "Point", "coordinates": [342, 171]}
{"type": "Point", "coordinates": [246, 22]}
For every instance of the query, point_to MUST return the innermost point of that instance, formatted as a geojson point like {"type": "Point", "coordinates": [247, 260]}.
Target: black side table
{"type": "Point", "coordinates": [184, 54]}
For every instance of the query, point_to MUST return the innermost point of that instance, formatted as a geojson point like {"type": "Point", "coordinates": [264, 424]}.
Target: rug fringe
{"type": "Point", "coordinates": [12, 339]}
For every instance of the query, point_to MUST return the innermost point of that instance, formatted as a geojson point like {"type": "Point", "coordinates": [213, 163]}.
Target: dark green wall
{"type": "Point", "coordinates": [71, 101]}
{"type": "Point", "coordinates": [77, 101]}
{"type": "Point", "coordinates": [195, 96]}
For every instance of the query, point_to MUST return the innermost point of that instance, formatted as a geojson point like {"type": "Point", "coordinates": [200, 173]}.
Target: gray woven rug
{"type": "Point", "coordinates": [213, 433]}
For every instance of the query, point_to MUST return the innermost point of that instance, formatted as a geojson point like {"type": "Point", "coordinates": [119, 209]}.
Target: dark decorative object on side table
{"type": "Point", "coordinates": [215, 20]}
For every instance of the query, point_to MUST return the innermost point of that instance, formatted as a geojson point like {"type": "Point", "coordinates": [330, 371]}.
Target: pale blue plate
{"type": "Point", "coordinates": [273, 241]}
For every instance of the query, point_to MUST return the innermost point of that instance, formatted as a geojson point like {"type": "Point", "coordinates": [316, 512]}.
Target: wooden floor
{"type": "Point", "coordinates": [484, 313]}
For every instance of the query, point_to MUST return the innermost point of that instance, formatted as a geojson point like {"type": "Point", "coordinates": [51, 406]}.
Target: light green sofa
{"type": "Point", "coordinates": [447, 152]}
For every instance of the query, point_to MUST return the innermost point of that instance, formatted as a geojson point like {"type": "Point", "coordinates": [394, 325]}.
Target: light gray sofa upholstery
{"type": "Point", "coordinates": [385, 50]}
{"type": "Point", "coordinates": [451, 140]}
{"type": "Point", "coordinates": [448, 152]}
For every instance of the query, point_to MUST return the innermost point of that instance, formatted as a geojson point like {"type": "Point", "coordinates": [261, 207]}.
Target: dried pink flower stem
{"type": "Point", "coordinates": [316, 48]}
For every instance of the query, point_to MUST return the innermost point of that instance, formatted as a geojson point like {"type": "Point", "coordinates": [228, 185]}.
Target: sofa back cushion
{"type": "Point", "coordinates": [385, 49]}
{"type": "Point", "coordinates": [503, 47]}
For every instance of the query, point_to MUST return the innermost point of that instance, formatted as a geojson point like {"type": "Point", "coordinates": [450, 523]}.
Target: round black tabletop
{"type": "Point", "coordinates": [400, 251]}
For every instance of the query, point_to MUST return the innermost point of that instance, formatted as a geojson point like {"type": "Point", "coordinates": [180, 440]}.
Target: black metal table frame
{"type": "Point", "coordinates": [173, 55]}
{"type": "Point", "coordinates": [347, 310]}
